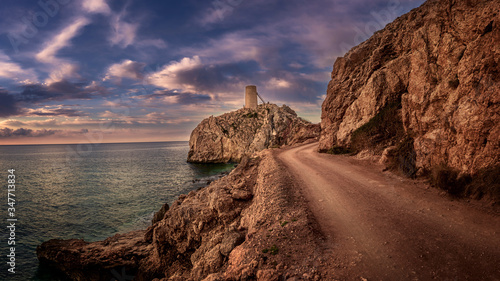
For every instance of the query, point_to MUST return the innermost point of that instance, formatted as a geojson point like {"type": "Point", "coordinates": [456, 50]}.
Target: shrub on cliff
{"type": "Point", "coordinates": [447, 179]}
{"type": "Point", "coordinates": [484, 183]}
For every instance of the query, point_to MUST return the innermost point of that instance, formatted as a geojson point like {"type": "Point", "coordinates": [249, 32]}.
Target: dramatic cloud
{"type": "Point", "coordinates": [8, 104]}
{"type": "Point", "coordinates": [12, 104]}
{"type": "Point", "coordinates": [14, 71]}
{"type": "Point", "coordinates": [218, 11]}
{"type": "Point", "coordinates": [60, 41]}
{"type": "Point", "coordinates": [33, 123]}
{"type": "Point", "coordinates": [160, 61]}
{"type": "Point", "coordinates": [175, 97]}
{"type": "Point", "coordinates": [61, 68]}
{"type": "Point", "coordinates": [232, 47]}
{"type": "Point", "coordinates": [123, 33]}
{"type": "Point", "coordinates": [56, 112]}
{"type": "Point", "coordinates": [168, 77]}
{"type": "Point", "coordinates": [58, 91]}
{"type": "Point", "coordinates": [126, 69]}
{"type": "Point", "coordinates": [96, 6]}
{"type": "Point", "coordinates": [276, 83]}
{"type": "Point", "coordinates": [22, 132]}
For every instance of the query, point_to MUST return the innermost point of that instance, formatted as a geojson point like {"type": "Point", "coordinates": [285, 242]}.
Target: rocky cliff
{"type": "Point", "coordinates": [231, 136]}
{"type": "Point", "coordinates": [429, 83]}
{"type": "Point", "coordinates": [249, 225]}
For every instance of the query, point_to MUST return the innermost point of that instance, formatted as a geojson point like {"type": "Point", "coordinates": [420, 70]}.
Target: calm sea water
{"type": "Point", "coordinates": [89, 192]}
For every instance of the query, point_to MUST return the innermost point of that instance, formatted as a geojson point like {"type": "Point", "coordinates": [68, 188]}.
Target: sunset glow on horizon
{"type": "Point", "coordinates": [103, 71]}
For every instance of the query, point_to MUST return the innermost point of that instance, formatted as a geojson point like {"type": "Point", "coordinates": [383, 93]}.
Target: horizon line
{"type": "Point", "coordinates": [95, 143]}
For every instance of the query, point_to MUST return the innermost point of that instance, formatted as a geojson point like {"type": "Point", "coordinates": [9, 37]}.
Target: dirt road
{"type": "Point", "coordinates": [380, 226]}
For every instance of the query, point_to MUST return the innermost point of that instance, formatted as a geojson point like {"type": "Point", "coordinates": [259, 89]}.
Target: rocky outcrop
{"type": "Point", "coordinates": [99, 261]}
{"type": "Point", "coordinates": [440, 64]}
{"type": "Point", "coordinates": [249, 225]}
{"type": "Point", "coordinates": [231, 136]}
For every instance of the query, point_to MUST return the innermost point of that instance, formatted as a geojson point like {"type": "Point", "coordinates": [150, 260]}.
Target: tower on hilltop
{"type": "Point", "coordinates": [251, 97]}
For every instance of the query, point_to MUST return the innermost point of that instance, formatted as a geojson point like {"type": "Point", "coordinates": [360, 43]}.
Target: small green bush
{"type": "Point", "coordinates": [273, 250]}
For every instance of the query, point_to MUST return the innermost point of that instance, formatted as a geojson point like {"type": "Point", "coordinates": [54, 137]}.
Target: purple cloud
{"type": "Point", "coordinates": [8, 104]}
{"type": "Point", "coordinates": [22, 132]}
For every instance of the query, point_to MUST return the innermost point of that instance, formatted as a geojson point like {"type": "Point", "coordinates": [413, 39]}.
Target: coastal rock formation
{"type": "Point", "coordinates": [80, 260]}
{"type": "Point", "coordinates": [249, 225]}
{"type": "Point", "coordinates": [439, 64]}
{"type": "Point", "coordinates": [231, 136]}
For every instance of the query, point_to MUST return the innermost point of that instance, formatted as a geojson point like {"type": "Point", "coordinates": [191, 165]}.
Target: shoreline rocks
{"type": "Point", "coordinates": [221, 232]}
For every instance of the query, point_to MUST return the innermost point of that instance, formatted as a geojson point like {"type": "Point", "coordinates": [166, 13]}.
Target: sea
{"type": "Point", "coordinates": [86, 191]}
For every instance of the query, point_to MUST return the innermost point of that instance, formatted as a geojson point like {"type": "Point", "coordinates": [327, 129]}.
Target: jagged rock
{"type": "Point", "coordinates": [120, 254]}
{"type": "Point", "coordinates": [205, 235]}
{"type": "Point", "coordinates": [441, 63]}
{"type": "Point", "coordinates": [230, 240]}
{"type": "Point", "coordinates": [158, 216]}
{"type": "Point", "coordinates": [231, 136]}
{"type": "Point", "coordinates": [387, 155]}
{"type": "Point", "coordinates": [238, 194]}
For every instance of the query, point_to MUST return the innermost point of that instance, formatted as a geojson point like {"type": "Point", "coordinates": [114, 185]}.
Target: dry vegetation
{"type": "Point", "coordinates": [483, 184]}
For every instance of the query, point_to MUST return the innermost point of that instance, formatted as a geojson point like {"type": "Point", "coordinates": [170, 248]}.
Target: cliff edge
{"type": "Point", "coordinates": [427, 85]}
{"type": "Point", "coordinates": [231, 136]}
{"type": "Point", "coordinates": [249, 225]}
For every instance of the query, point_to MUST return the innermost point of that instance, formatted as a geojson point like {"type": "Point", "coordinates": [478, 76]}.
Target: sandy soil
{"type": "Point", "coordinates": [379, 226]}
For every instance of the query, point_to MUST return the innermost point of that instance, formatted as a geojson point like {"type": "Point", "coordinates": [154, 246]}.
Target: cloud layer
{"type": "Point", "coordinates": [145, 67]}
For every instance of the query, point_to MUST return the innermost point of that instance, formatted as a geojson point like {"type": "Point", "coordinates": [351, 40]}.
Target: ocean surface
{"type": "Point", "coordinates": [88, 191]}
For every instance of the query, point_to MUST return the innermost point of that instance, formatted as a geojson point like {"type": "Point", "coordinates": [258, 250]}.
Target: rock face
{"type": "Point", "coordinates": [248, 225]}
{"type": "Point", "coordinates": [440, 63]}
{"type": "Point", "coordinates": [231, 136]}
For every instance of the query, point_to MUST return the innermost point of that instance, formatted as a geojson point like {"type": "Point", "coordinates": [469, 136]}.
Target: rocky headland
{"type": "Point", "coordinates": [246, 225]}
{"type": "Point", "coordinates": [234, 135]}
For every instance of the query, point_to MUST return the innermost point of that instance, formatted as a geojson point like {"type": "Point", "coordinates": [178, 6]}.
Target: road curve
{"type": "Point", "coordinates": [380, 226]}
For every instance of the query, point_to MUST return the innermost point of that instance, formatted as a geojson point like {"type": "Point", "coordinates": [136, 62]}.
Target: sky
{"type": "Point", "coordinates": [101, 71]}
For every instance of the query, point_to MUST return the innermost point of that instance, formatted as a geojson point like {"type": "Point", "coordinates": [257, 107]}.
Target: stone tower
{"type": "Point", "coordinates": [251, 97]}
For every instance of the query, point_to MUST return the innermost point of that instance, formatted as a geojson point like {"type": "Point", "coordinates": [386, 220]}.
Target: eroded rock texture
{"type": "Point", "coordinates": [231, 136]}
{"type": "Point", "coordinates": [441, 63]}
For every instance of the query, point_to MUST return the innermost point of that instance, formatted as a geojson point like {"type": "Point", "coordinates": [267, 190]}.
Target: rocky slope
{"type": "Point", "coordinates": [248, 225]}
{"type": "Point", "coordinates": [231, 136]}
{"type": "Point", "coordinates": [438, 68]}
